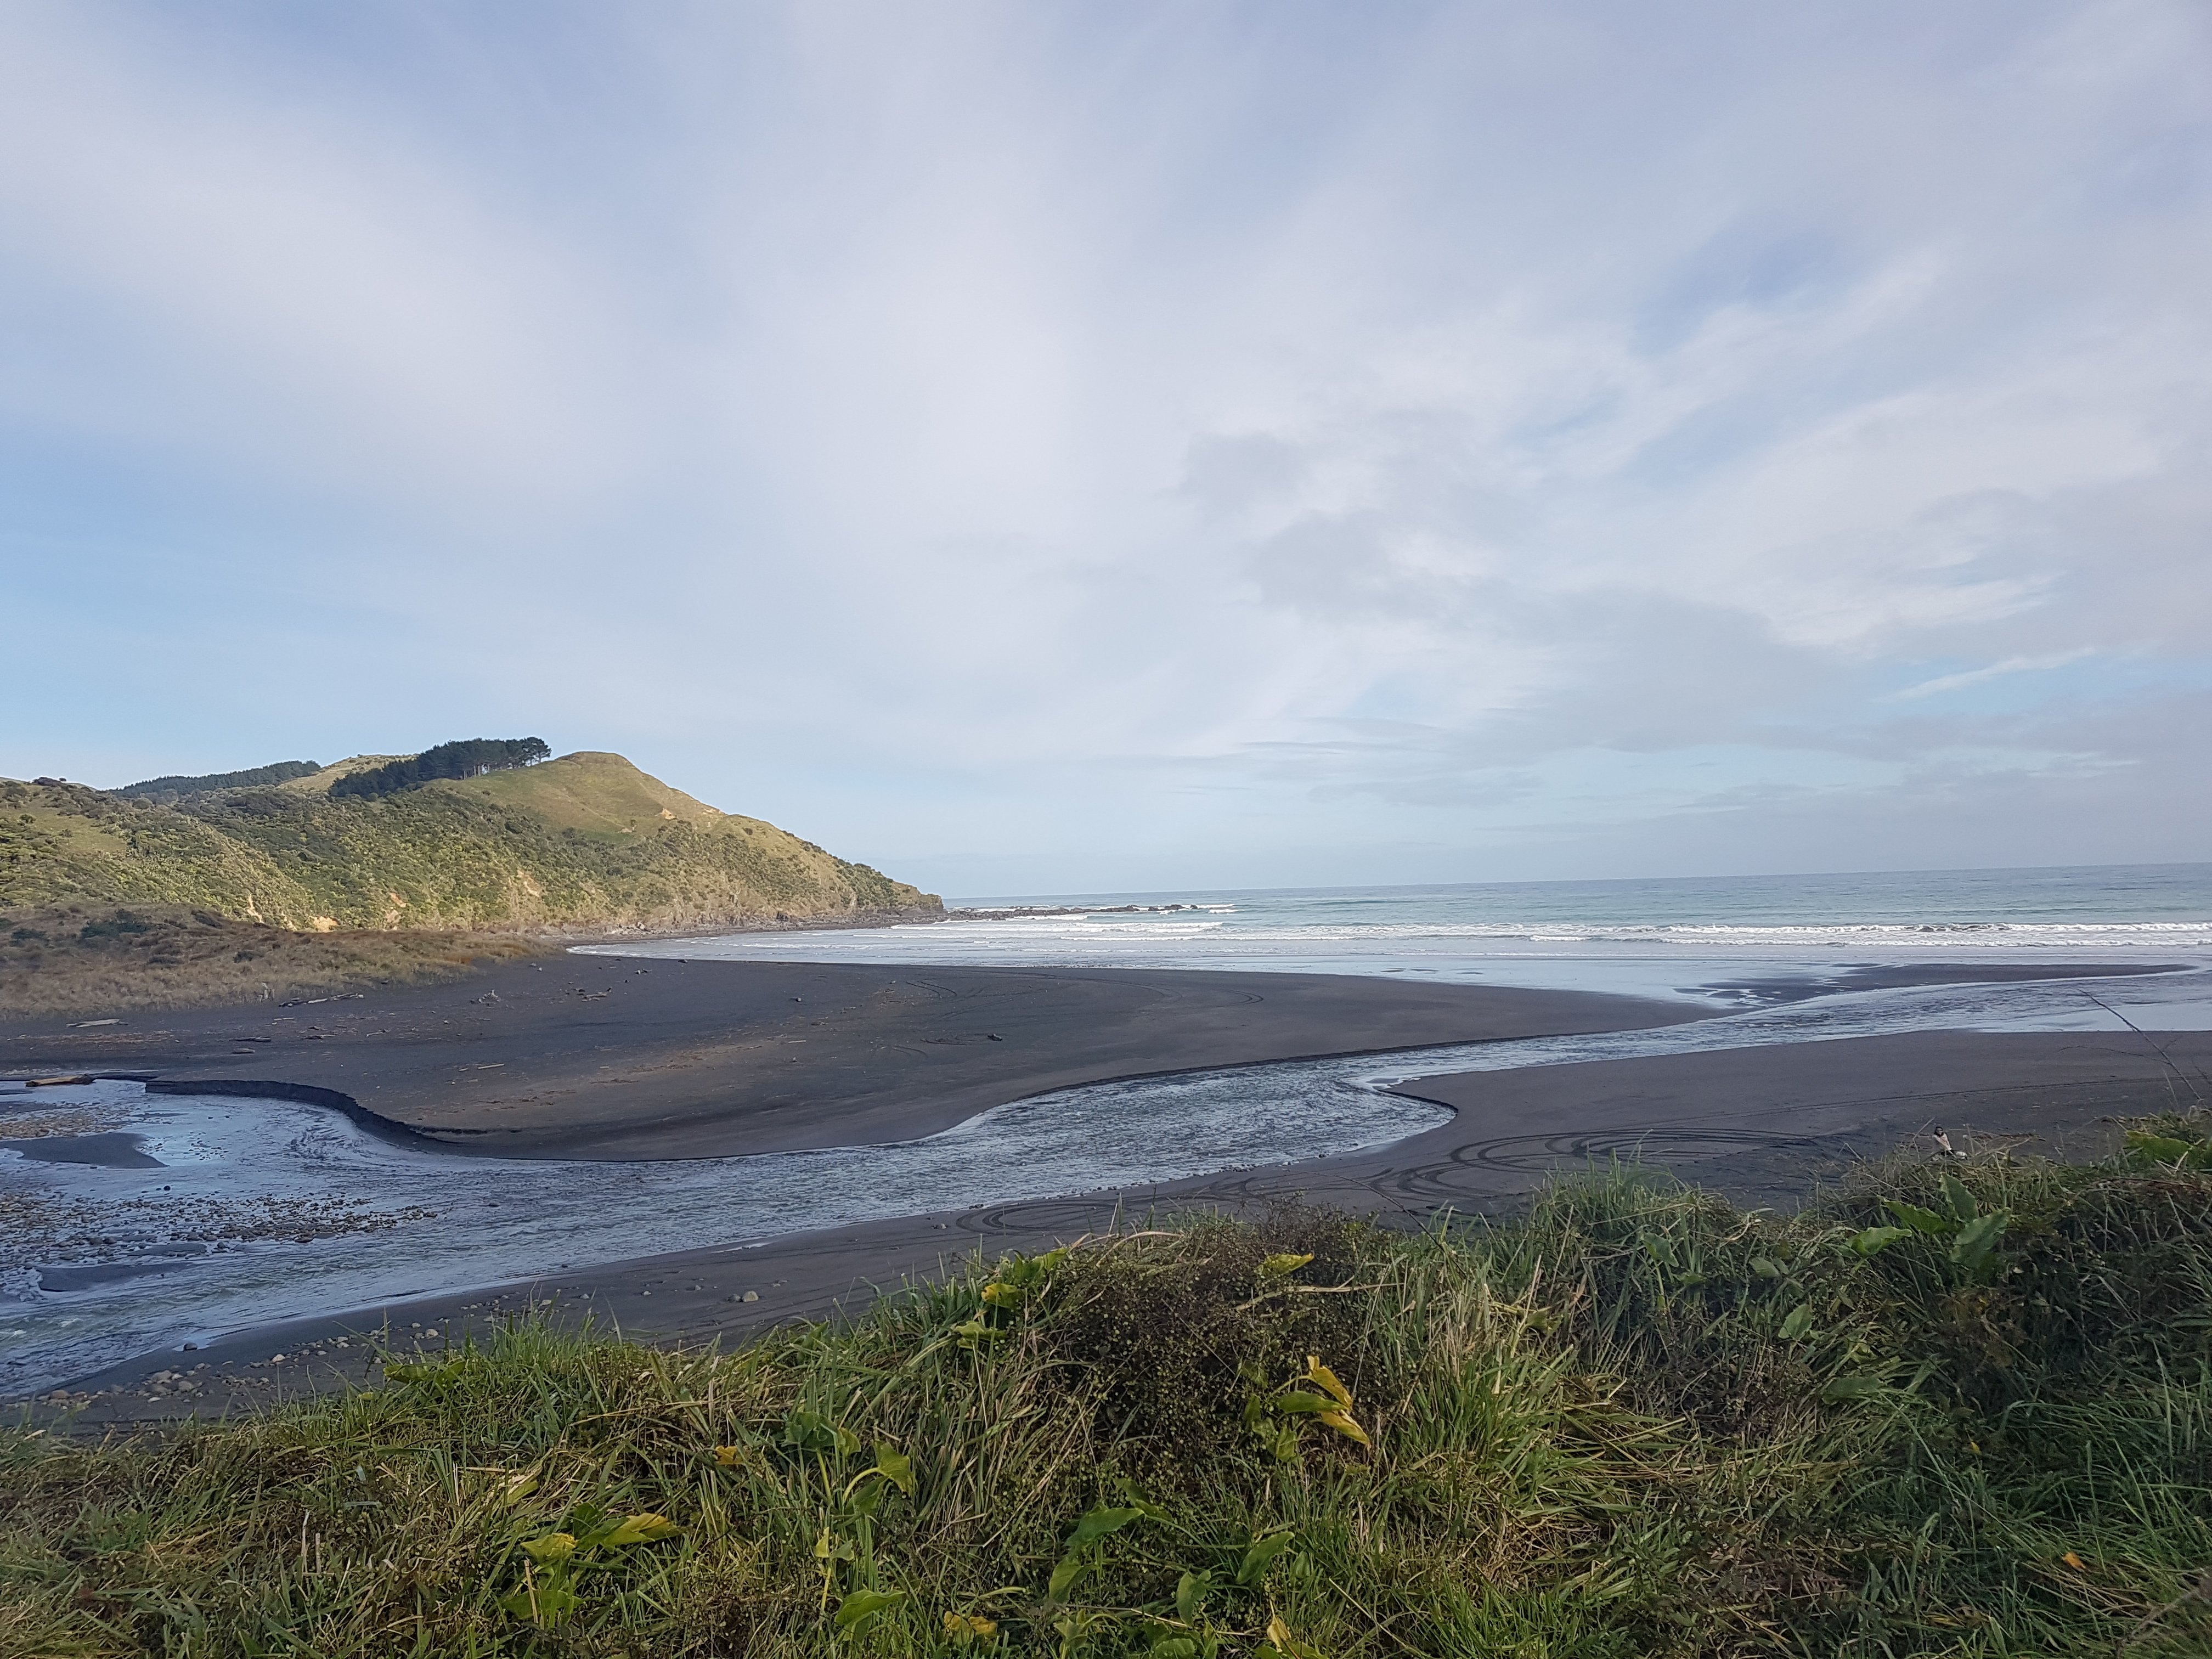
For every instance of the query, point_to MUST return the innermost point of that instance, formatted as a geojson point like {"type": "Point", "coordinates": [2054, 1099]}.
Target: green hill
{"type": "Point", "coordinates": [207, 783]}
{"type": "Point", "coordinates": [585, 843]}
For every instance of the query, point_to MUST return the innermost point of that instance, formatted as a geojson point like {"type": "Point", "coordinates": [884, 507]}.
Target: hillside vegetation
{"type": "Point", "coordinates": [468, 758]}
{"type": "Point", "coordinates": [1962, 1407]}
{"type": "Point", "coordinates": [252, 777]}
{"type": "Point", "coordinates": [585, 843]}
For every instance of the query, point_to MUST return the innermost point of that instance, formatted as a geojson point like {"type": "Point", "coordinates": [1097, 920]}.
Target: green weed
{"type": "Point", "coordinates": [1636, 1421]}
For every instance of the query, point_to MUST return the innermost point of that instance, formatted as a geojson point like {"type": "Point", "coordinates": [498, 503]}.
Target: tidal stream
{"type": "Point", "coordinates": [131, 1222]}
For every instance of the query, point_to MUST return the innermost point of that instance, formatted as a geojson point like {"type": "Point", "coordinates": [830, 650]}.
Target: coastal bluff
{"type": "Point", "coordinates": [586, 845]}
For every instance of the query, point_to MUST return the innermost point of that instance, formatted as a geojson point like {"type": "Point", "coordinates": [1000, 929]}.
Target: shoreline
{"type": "Point", "coordinates": [842, 921]}
{"type": "Point", "coordinates": [1551, 1108]}
{"type": "Point", "coordinates": [1762, 991]}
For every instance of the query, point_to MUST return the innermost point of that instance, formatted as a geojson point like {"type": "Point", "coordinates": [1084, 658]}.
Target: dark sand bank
{"type": "Point", "coordinates": [1763, 1124]}
{"type": "Point", "coordinates": [607, 1057]}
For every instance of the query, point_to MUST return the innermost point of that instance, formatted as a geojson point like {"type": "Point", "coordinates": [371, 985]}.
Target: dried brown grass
{"type": "Point", "coordinates": [80, 958]}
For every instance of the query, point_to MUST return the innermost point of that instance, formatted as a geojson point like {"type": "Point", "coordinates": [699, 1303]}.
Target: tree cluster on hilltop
{"type": "Point", "coordinates": [469, 757]}
{"type": "Point", "coordinates": [256, 777]}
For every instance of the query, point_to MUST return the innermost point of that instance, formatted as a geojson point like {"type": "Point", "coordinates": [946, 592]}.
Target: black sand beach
{"type": "Point", "coordinates": [604, 1057]}
{"type": "Point", "coordinates": [895, 1057]}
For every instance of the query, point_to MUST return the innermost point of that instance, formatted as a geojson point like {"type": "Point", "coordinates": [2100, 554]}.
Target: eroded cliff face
{"type": "Point", "coordinates": [586, 843]}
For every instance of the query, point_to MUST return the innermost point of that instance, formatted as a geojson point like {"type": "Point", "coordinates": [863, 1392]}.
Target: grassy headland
{"type": "Point", "coordinates": [583, 845]}
{"type": "Point", "coordinates": [1959, 1406]}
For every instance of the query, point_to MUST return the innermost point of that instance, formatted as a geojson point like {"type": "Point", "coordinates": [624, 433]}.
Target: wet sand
{"type": "Point", "coordinates": [1762, 1124]}
{"type": "Point", "coordinates": [614, 1058]}
{"type": "Point", "coordinates": [605, 1057]}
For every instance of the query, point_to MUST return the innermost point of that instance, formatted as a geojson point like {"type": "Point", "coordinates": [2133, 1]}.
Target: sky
{"type": "Point", "coordinates": [1091, 448]}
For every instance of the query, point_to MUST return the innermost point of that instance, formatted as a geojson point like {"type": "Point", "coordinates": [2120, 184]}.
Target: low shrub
{"type": "Point", "coordinates": [1957, 1406]}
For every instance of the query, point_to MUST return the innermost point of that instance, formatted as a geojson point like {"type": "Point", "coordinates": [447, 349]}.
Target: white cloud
{"type": "Point", "coordinates": [1220, 433]}
{"type": "Point", "coordinates": [267, 285]}
{"type": "Point", "coordinates": [1959, 682]}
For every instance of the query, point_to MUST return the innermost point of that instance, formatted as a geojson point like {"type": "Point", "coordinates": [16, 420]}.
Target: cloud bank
{"type": "Point", "coordinates": [1091, 448]}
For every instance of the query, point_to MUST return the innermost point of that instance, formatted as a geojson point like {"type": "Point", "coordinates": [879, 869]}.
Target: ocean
{"type": "Point", "coordinates": [1701, 938]}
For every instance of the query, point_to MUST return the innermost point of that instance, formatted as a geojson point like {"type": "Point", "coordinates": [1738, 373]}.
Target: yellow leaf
{"type": "Point", "coordinates": [1280, 1639]}
{"type": "Point", "coordinates": [965, 1627]}
{"type": "Point", "coordinates": [645, 1528]}
{"type": "Point", "coordinates": [2074, 1561]}
{"type": "Point", "coordinates": [554, 1546]}
{"type": "Point", "coordinates": [727, 1456]}
{"type": "Point", "coordinates": [1318, 1372]}
{"type": "Point", "coordinates": [1342, 1422]}
{"type": "Point", "coordinates": [1284, 1263]}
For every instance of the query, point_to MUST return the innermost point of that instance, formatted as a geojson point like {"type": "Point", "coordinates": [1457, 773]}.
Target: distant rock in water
{"type": "Point", "coordinates": [585, 844]}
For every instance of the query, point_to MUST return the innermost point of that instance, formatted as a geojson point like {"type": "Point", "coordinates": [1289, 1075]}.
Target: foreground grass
{"type": "Point", "coordinates": [91, 959]}
{"type": "Point", "coordinates": [1961, 1406]}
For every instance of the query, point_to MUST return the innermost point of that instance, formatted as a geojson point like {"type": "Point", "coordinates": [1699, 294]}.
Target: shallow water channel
{"type": "Point", "coordinates": [202, 1215]}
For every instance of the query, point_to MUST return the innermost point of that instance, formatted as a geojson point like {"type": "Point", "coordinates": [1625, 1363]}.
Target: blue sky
{"type": "Point", "coordinates": [1088, 447]}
